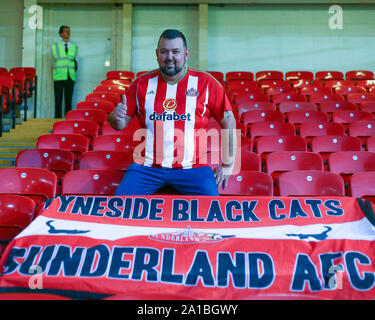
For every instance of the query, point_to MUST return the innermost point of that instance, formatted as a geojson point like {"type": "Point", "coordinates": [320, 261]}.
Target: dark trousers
{"type": "Point", "coordinates": [64, 89]}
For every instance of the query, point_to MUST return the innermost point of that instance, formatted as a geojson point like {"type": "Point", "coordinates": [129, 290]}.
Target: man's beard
{"type": "Point", "coordinates": [171, 72]}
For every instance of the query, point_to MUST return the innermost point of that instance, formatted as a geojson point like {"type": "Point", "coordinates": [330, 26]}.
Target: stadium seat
{"type": "Point", "coordinates": [76, 143]}
{"type": "Point", "coordinates": [269, 75]}
{"type": "Point", "coordinates": [359, 75]}
{"type": "Point", "coordinates": [330, 107]}
{"type": "Point", "coordinates": [108, 96]}
{"type": "Point", "coordinates": [248, 106]}
{"type": "Point", "coordinates": [133, 126]}
{"type": "Point", "coordinates": [359, 98]}
{"type": "Point", "coordinates": [329, 75]}
{"type": "Point", "coordinates": [308, 130]}
{"type": "Point", "coordinates": [370, 144]}
{"type": "Point", "coordinates": [98, 116]}
{"type": "Point", "coordinates": [116, 82]}
{"type": "Point", "coordinates": [368, 106]}
{"type": "Point", "coordinates": [246, 75]}
{"type": "Point", "coordinates": [87, 128]}
{"type": "Point", "coordinates": [346, 117]}
{"type": "Point", "coordinates": [299, 75]}
{"type": "Point", "coordinates": [249, 98]}
{"type": "Point", "coordinates": [320, 98]}
{"type": "Point", "coordinates": [246, 160]}
{"type": "Point", "coordinates": [314, 89]}
{"type": "Point", "coordinates": [248, 183]}
{"type": "Point", "coordinates": [119, 142]}
{"type": "Point", "coordinates": [270, 128]}
{"type": "Point", "coordinates": [218, 75]}
{"type": "Point", "coordinates": [327, 144]}
{"type": "Point", "coordinates": [284, 161]}
{"type": "Point", "coordinates": [345, 90]}
{"type": "Point", "coordinates": [346, 163]}
{"type": "Point", "coordinates": [272, 91]}
{"type": "Point", "coordinates": [367, 84]}
{"type": "Point", "coordinates": [362, 130]}
{"type": "Point", "coordinates": [35, 183]}
{"type": "Point", "coordinates": [302, 83]}
{"type": "Point", "coordinates": [311, 183]}
{"type": "Point", "coordinates": [275, 83]}
{"type": "Point", "coordinates": [265, 145]}
{"type": "Point", "coordinates": [106, 160]}
{"type": "Point", "coordinates": [261, 115]}
{"type": "Point", "coordinates": [288, 97]}
{"type": "Point", "coordinates": [58, 161]}
{"type": "Point", "coordinates": [110, 88]}
{"type": "Point", "coordinates": [91, 182]}
{"type": "Point", "coordinates": [16, 213]}
{"type": "Point", "coordinates": [104, 105]}
{"type": "Point", "coordinates": [119, 74]}
{"type": "Point", "coordinates": [361, 185]}
{"type": "Point", "coordinates": [286, 107]}
{"type": "Point", "coordinates": [298, 117]}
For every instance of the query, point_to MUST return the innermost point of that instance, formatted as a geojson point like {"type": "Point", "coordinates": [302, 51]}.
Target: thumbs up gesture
{"type": "Point", "coordinates": [121, 109]}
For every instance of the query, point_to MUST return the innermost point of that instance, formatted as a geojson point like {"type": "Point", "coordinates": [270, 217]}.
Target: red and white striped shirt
{"type": "Point", "coordinates": [175, 115]}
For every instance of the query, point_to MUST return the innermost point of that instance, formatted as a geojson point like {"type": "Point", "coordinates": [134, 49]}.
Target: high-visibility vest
{"type": "Point", "coordinates": [64, 62]}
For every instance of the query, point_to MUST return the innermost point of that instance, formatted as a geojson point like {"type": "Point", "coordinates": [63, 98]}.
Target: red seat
{"type": "Point", "coordinates": [269, 75]}
{"type": "Point", "coordinates": [311, 183]}
{"type": "Point", "coordinates": [302, 83]}
{"type": "Point", "coordinates": [367, 84]}
{"type": "Point", "coordinates": [57, 160]}
{"type": "Point", "coordinates": [246, 75]}
{"type": "Point", "coordinates": [345, 117]}
{"type": "Point", "coordinates": [298, 117]}
{"type": "Point", "coordinates": [283, 161]}
{"type": "Point", "coordinates": [108, 96]}
{"type": "Point", "coordinates": [76, 143]}
{"type": "Point", "coordinates": [30, 74]}
{"type": "Point", "coordinates": [325, 145]}
{"type": "Point", "coordinates": [329, 75]}
{"type": "Point", "coordinates": [314, 89]}
{"type": "Point", "coordinates": [345, 90]}
{"type": "Point", "coordinates": [246, 160]}
{"type": "Point", "coordinates": [346, 163]}
{"type": "Point", "coordinates": [362, 130]}
{"type": "Point", "coordinates": [273, 83]}
{"type": "Point", "coordinates": [125, 83]}
{"type": "Point", "coordinates": [288, 97]}
{"type": "Point", "coordinates": [106, 160]}
{"type": "Point", "coordinates": [333, 106]}
{"type": "Point", "coordinates": [98, 116]}
{"type": "Point", "coordinates": [35, 183]}
{"type": "Point", "coordinates": [271, 128]}
{"type": "Point", "coordinates": [261, 115]}
{"type": "Point", "coordinates": [320, 98]}
{"type": "Point", "coordinates": [370, 144]}
{"type": "Point", "coordinates": [250, 98]}
{"type": "Point", "coordinates": [308, 130]}
{"type": "Point", "coordinates": [268, 144]}
{"type": "Point", "coordinates": [248, 106]}
{"type": "Point", "coordinates": [110, 88]}
{"type": "Point", "coordinates": [91, 182]}
{"type": "Point", "coordinates": [248, 183]}
{"type": "Point", "coordinates": [132, 127]}
{"type": "Point", "coordinates": [298, 75]}
{"type": "Point", "coordinates": [16, 213]}
{"type": "Point", "coordinates": [359, 98]}
{"type": "Point", "coordinates": [368, 106]}
{"type": "Point", "coordinates": [359, 75]}
{"type": "Point", "coordinates": [104, 105]}
{"type": "Point", "coordinates": [286, 107]}
{"type": "Point", "coordinates": [87, 128]}
{"type": "Point", "coordinates": [6, 85]}
{"type": "Point", "coordinates": [333, 84]}
{"type": "Point", "coordinates": [272, 91]}
{"type": "Point", "coordinates": [361, 185]}
{"type": "Point", "coordinates": [119, 74]}
{"type": "Point", "coordinates": [218, 75]}
{"type": "Point", "coordinates": [119, 142]}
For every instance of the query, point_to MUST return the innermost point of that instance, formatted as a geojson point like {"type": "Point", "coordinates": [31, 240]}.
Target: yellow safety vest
{"type": "Point", "coordinates": [64, 62]}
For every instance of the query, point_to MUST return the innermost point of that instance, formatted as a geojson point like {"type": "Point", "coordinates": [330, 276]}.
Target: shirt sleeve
{"type": "Point", "coordinates": [131, 99]}
{"type": "Point", "coordinates": [218, 101]}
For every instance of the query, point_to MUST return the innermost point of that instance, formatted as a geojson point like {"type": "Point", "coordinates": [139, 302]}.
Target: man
{"type": "Point", "coordinates": [64, 71]}
{"type": "Point", "coordinates": [174, 103]}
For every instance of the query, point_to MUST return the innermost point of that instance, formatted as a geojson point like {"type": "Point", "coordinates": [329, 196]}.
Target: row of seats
{"type": "Point", "coordinates": [16, 86]}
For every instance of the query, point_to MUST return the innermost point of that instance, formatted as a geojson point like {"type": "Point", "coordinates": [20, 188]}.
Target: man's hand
{"type": "Point", "coordinates": [118, 118]}
{"type": "Point", "coordinates": [222, 174]}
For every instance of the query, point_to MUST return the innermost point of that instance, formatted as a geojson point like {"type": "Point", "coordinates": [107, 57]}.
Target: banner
{"type": "Point", "coordinates": [213, 248]}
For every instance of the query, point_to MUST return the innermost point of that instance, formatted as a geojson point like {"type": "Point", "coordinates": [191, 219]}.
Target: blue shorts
{"type": "Point", "coordinates": [143, 180]}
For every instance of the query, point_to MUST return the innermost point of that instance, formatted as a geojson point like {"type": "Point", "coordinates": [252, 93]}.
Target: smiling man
{"type": "Point", "coordinates": [174, 104]}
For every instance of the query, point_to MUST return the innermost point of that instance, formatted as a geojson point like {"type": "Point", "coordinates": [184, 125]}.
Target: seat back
{"type": "Point", "coordinates": [362, 185]}
{"type": "Point", "coordinates": [119, 142]}
{"type": "Point", "coordinates": [106, 160]}
{"type": "Point", "coordinates": [87, 128]}
{"type": "Point", "coordinates": [106, 106]}
{"type": "Point", "coordinates": [120, 74]}
{"type": "Point", "coordinates": [271, 128]}
{"type": "Point", "coordinates": [311, 183]}
{"type": "Point", "coordinates": [91, 182]}
{"type": "Point", "coordinates": [114, 97]}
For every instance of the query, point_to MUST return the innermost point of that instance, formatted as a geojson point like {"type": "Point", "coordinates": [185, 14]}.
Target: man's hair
{"type": "Point", "coordinates": [62, 29]}
{"type": "Point", "coordinates": [173, 34]}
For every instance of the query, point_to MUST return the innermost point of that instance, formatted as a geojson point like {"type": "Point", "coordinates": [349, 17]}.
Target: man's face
{"type": "Point", "coordinates": [65, 34]}
{"type": "Point", "coordinates": [171, 56]}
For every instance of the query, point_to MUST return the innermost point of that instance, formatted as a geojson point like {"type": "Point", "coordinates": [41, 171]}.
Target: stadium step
{"type": "Point", "coordinates": [24, 136]}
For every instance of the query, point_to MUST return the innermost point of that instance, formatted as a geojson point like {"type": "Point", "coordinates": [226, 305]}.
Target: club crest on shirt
{"type": "Point", "coordinates": [169, 104]}
{"type": "Point", "coordinates": [192, 92]}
